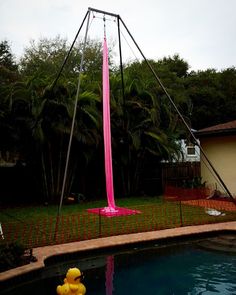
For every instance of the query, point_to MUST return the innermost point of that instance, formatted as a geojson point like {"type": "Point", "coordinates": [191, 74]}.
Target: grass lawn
{"type": "Point", "coordinates": [25, 213]}
{"type": "Point", "coordinates": [35, 225]}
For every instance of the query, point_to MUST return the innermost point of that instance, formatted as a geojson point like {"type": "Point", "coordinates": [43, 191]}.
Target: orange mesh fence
{"type": "Point", "coordinates": [84, 226]}
{"type": "Point", "coordinates": [179, 193]}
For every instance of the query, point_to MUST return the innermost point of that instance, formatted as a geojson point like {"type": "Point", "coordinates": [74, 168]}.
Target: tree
{"type": "Point", "coordinates": [45, 57]}
{"type": "Point", "coordinates": [8, 78]}
{"type": "Point", "coordinates": [145, 127]}
{"type": "Point", "coordinates": [212, 95]}
{"type": "Point", "coordinates": [175, 65]}
{"type": "Point", "coordinates": [8, 70]}
{"type": "Point", "coordinates": [138, 133]}
{"type": "Point", "coordinates": [35, 121]}
{"type": "Point", "coordinates": [227, 80]}
{"type": "Point", "coordinates": [6, 57]}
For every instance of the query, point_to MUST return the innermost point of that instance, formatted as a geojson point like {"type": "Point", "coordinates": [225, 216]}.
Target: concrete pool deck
{"type": "Point", "coordinates": [42, 253]}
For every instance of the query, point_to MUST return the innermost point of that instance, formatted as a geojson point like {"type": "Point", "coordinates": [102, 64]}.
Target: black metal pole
{"type": "Point", "coordinates": [68, 54]}
{"type": "Point", "coordinates": [121, 71]}
{"type": "Point", "coordinates": [74, 117]}
{"type": "Point", "coordinates": [180, 115]}
{"type": "Point", "coordinates": [102, 12]}
{"type": "Point", "coordinates": [100, 223]}
{"type": "Point", "coordinates": [180, 213]}
{"type": "Point", "coordinates": [72, 130]}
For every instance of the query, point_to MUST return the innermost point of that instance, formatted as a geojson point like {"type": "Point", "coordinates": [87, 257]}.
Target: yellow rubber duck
{"type": "Point", "coordinates": [72, 284]}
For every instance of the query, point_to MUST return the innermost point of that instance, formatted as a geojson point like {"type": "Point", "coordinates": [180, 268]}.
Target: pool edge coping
{"type": "Point", "coordinates": [43, 253]}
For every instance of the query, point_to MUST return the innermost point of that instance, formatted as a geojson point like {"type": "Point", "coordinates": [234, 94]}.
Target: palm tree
{"type": "Point", "coordinates": [52, 130]}
{"type": "Point", "coordinates": [138, 132]}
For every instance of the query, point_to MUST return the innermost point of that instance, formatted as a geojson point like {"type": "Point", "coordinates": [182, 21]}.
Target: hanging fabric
{"type": "Point", "coordinates": [111, 210]}
{"type": "Point", "coordinates": [107, 130]}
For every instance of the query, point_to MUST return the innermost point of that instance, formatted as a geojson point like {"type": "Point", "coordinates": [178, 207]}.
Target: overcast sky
{"type": "Point", "coordinates": [202, 32]}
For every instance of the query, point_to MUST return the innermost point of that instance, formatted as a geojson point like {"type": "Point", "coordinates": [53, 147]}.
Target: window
{"type": "Point", "coordinates": [191, 151]}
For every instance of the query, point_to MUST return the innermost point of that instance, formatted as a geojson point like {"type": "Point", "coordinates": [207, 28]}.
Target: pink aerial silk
{"type": "Point", "coordinates": [107, 129]}
{"type": "Point", "coordinates": [109, 275]}
{"type": "Point", "coordinates": [111, 210]}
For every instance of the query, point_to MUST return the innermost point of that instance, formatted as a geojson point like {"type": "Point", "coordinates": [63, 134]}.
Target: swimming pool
{"type": "Point", "coordinates": [177, 269]}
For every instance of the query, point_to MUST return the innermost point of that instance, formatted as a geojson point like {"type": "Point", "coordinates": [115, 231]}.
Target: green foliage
{"type": "Point", "coordinates": [35, 121]}
{"type": "Point", "coordinates": [44, 58]}
{"type": "Point", "coordinates": [212, 95]}
{"type": "Point", "coordinates": [196, 182]}
{"type": "Point", "coordinates": [175, 65]}
{"type": "Point", "coordinates": [10, 255]}
{"type": "Point", "coordinates": [6, 57]}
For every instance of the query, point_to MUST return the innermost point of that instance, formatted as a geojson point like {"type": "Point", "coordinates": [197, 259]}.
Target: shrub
{"type": "Point", "coordinates": [11, 255]}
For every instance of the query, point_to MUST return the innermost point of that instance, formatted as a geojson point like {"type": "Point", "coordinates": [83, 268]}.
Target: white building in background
{"type": "Point", "coordinates": [190, 152]}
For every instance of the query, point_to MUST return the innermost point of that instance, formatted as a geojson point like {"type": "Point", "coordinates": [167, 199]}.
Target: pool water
{"type": "Point", "coordinates": [176, 270]}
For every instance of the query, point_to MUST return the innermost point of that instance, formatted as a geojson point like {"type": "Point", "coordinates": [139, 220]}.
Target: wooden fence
{"type": "Point", "coordinates": [165, 174]}
{"type": "Point", "coordinates": [176, 174]}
